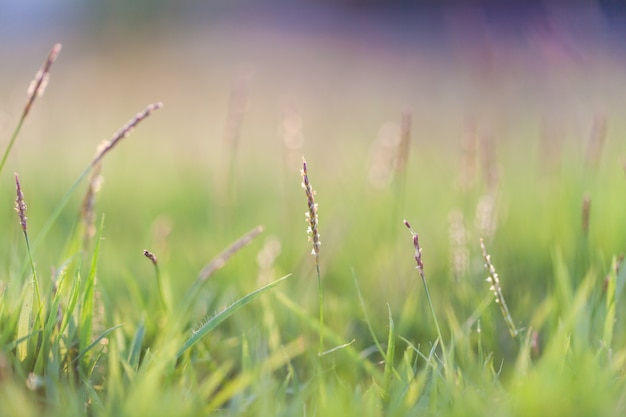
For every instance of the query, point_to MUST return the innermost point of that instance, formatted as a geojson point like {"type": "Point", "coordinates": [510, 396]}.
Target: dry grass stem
{"type": "Point", "coordinates": [420, 268]}
{"type": "Point", "coordinates": [220, 260]}
{"type": "Point", "coordinates": [495, 287]}
{"type": "Point", "coordinates": [311, 214]}
{"type": "Point", "coordinates": [107, 145]}
{"type": "Point", "coordinates": [20, 204]}
{"type": "Point", "coordinates": [38, 85]}
{"type": "Point", "coordinates": [418, 250]}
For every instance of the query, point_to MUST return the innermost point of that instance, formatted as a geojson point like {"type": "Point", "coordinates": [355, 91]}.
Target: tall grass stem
{"type": "Point", "coordinates": [420, 269]}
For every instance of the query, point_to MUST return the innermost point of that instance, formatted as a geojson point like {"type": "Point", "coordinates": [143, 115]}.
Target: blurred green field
{"type": "Point", "coordinates": [180, 187]}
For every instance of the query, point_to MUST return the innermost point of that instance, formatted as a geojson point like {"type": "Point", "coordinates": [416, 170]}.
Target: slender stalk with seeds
{"type": "Point", "coordinates": [154, 261]}
{"type": "Point", "coordinates": [218, 262]}
{"type": "Point", "coordinates": [104, 148]}
{"type": "Point", "coordinates": [36, 89]}
{"type": "Point", "coordinates": [126, 130]}
{"type": "Point", "coordinates": [314, 235]}
{"type": "Point", "coordinates": [20, 208]}
{"type": "Point", "coordinates": [420, 269]}
{"type": "Point", "coordinates": [32, 304]}
{"type": "Point", "coordinates": [495, 287]}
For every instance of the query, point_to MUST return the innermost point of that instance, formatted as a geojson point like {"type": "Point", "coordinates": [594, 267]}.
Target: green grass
{"type": "Point", "coordinates": [114, 335]}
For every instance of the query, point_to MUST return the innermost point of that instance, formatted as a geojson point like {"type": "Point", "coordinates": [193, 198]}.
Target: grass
{"type": "Point", "coordinates": [206, 324]}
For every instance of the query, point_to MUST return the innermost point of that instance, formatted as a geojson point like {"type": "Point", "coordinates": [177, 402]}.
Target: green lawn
{"type": "Point", "coordinates": [92, 327]}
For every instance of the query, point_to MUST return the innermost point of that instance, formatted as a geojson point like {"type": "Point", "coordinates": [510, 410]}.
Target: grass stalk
{"type": "Point", "coordinates": [218, 262]}
{"type": "Point", "coordinates": [420, 269]}
{"type": "Point", "coordinates": [152, 257]}
{"type": "Point", "coordinates": [226, 313]}
{"type": "Point", "coordinates": [103, 149]}
{"type": "Point", "coordinates": [312, 219]}
{"type": "Point", "coordinates": [495, 287]}
{"type": "Point", "coordinates": [36, 89]}
{"type": "Point", "coordinates": [35, 302]}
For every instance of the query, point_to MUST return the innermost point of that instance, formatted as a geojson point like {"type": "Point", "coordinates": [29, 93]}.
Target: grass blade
{"type": "Point", "coordinates": [220, 317]}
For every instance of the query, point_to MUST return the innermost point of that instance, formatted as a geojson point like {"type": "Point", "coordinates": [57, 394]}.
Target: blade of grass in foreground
{"type": "Point", "coordinates": [389, 356]}
{"type": "Point", "coordinates": [332, 337]}
{"type": "Point", "coordinates": [218, 262]}
{"type": "Point", "coordinates": [220, 317]}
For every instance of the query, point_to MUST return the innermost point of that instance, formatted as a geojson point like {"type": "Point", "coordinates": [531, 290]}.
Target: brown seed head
{"type": "Point", "coordinates": [311, 215]}
{"type": "Point", "coordinates": [20, 204]}
{"type": "Point", "coordinates": [418, 249]}
{"type": "Point", "coordinates": [106, 146]}
{"type": "Point", "coordinates": [150, 256]}
{"type": "Point", "coordinates": [38, 85]}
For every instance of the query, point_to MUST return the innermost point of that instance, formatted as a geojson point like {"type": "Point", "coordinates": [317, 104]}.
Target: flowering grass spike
{"type": "Point", "coordinates": [495, 287]}
{"type": "Point", "coordinates": [311, 215]}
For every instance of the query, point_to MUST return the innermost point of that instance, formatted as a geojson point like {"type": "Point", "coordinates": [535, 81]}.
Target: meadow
{"type": "Point", "coordinates": [189, 281]}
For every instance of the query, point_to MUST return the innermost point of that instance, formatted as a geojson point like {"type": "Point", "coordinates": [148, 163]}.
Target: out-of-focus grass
{"type": "Point", "coordinates": [166, 190]}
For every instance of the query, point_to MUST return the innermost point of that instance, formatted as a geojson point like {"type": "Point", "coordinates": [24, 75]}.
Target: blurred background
{"type": "Point", "coordinates": [269, 81]}
{"type": "Point", "coordinates": [507, 67]}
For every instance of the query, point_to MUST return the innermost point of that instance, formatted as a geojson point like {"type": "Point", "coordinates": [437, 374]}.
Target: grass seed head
{"type": "Point", "coordinates": [494, 286]}
{"type": "Point", "coordinates": [418, 249]}
{"type": "Point", "coordinates": [150, 256]}
{"type": "Point", "coordinates": [39, 83]}
{"type": "Point", "coordinates": [20, 204]}
{"type": "Point", "coordinates": [107, 145]}
{"type": "Point", "coordinates": [311, 214]}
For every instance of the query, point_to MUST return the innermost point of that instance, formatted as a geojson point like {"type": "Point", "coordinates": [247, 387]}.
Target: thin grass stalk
{"type": "Point", "coordinates": [420, 269]}
{"type": "Point", "coordinates": [103, 149]}
{"type": "Point", "coordinates": [367, 319]}
{"type": "Point", "coordinates": [36, 89]}
{"type": "Point", "coordinates": [389, 356]}
{"type": "Point", "coordinates": [20, 208]}
{"type": "Point", "coordinates": [314, 235]}
{"type": "Point", "coordinates": [216, 263]}
{"type": "Point", "coordinates": [495, 287]}
{"type": "Point", "coordinates": [152, 257]}
{"type": "Point", "coordinates": [220, 260]}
